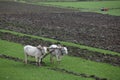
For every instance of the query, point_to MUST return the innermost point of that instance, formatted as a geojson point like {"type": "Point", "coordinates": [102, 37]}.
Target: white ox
{"type": "Point", "coordinates": [58, 51]}
{"type": "Point", "coordinates": [37, 52]}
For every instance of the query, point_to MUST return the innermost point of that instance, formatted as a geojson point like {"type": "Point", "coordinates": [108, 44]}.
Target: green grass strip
{"type": "Point", "coordinates": [18, 71]}
{"type": "Point", "coordinates": [66, 43]}
{"type": "Point", "coordinates": [71, 63]}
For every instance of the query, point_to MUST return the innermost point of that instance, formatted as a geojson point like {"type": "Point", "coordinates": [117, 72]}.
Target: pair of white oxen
{"type": "Point", "coordinates": [40, 52]}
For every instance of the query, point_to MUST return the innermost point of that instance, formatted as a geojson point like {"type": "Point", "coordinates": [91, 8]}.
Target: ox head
{"type": "Point", "coordinates": [64, 50]}
{"type": "Point", "coordinates": [43, 49]}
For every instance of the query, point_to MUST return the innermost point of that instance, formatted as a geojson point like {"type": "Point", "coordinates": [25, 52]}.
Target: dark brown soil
{"type": "Point", "coordinates": [92, 29]}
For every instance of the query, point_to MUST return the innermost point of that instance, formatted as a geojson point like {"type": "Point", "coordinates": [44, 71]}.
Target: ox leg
{"type": "Point", "coordinates": [58, 59]}
{"type": "Point", "coordinates": [36, 58]}
{"type": "Point", "coordinates": [39, 61]}
{"type": "Point", "coordinates": [25, 58]}
{"type": "Point", "coordinates": [42, 61]}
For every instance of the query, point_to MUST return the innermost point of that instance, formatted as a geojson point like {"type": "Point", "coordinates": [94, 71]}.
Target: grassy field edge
{"type": "Point", "coordinates": [65, 43]}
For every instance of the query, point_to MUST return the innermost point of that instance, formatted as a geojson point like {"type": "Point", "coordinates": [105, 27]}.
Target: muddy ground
{"type": "Point", "coordinates": [92, 29]}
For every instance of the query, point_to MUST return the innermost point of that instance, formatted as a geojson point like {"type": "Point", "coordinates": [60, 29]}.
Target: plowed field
{"type": "Point", "coordinates": [92, 29]}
